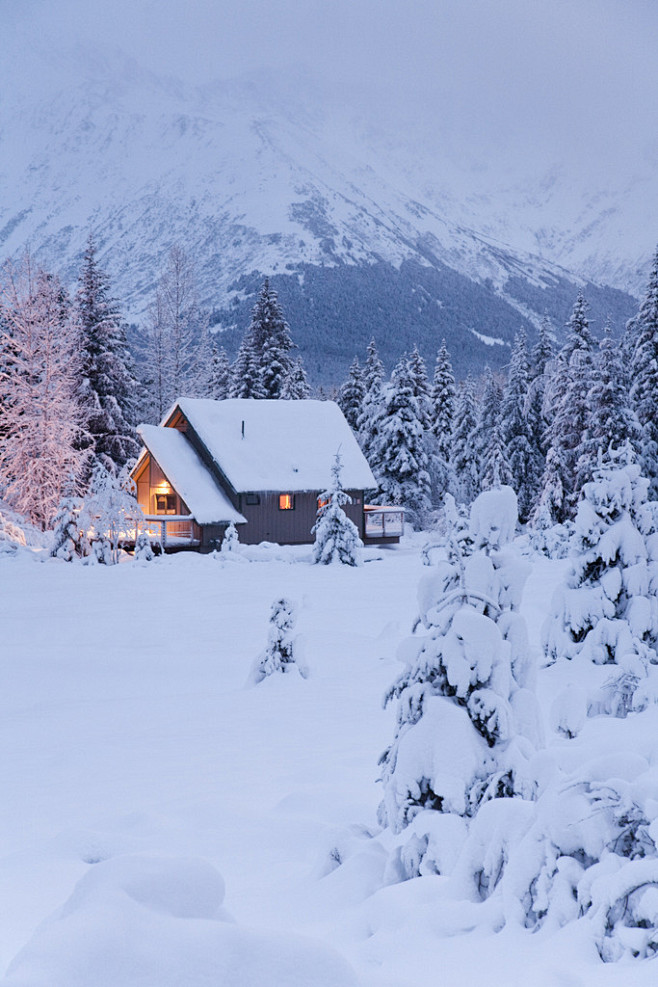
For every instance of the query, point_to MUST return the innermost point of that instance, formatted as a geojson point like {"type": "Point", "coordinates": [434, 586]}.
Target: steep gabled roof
{"type": "Point", "coordinates": [189, 476]}
{"type": "Point", "coordinates": [277, 445]}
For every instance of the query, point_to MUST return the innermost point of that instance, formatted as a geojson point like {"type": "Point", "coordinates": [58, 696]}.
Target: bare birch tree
{"type": "Point", "coordinates": [42, 419]}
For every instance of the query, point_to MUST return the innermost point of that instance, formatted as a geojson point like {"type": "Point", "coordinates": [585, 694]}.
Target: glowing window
{"type": "Point", "coordinates": [286, 502]}
{"type": "Point", "coordinates": [165, 503]}
{"type": "Point", "coordinates": [322, 503]}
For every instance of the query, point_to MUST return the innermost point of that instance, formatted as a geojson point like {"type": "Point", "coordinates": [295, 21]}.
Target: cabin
{"type": "Point", "coordinates": [260, 465]}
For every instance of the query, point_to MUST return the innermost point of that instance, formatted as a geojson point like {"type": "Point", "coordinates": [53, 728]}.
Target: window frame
{"type": "Point", "coordinates": [286, 506]}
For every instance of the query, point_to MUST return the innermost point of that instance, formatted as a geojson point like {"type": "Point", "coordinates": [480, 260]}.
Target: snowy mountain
{"type": "Point", "coordinates": [270, 176]}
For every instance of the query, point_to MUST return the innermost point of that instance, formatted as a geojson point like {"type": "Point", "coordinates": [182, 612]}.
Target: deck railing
{"type": "Point", "coordinates": [384, 522]}
{"type": "Point", "coordinates": [171, 529]}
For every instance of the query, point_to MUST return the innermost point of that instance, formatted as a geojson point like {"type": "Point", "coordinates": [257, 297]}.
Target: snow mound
{"type": "Point", "coordinates": [136, 920]}
{"type": "Point", "coordinates": [494, 516]}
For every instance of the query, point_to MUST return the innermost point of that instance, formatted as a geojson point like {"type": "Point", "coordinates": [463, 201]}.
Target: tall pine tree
{"type": "Point", "coordinates": [524, 461]}
{"type": "Point", "coordinates": [264, 361]}
{"type": "Point", "coordinates": [642, 337]}
{"type": "Point", "coordinates": [464, 458]}
{"type": "Point", "coordinates": [400, 462]}
{"type": "Point", "coordinates": [351, 395]}
{"type": "Point", "coordinates": [371, 412]}
{"type": "Point", "coordinates": [569, 396]}
{"type": "Point", "coordinates": [108, 388]}
{"type": "Point", "coordinates": [442, 399]}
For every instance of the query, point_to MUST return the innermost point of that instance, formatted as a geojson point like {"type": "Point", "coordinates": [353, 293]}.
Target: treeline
{"type": "Point", "coordinates": [72, 389]}
{"type": "Point", "coordinates": [539, 429]}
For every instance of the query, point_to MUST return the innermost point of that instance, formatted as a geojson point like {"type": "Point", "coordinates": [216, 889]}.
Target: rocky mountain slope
{"type": "Point", "coordinates": [267, 176]}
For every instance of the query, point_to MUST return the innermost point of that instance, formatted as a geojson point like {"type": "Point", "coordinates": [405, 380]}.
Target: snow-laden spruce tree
{"type": "Point", "coordinates": [522, 455]}
{"type": "Point", "coordinates": [295, 386]}
{"type": "Point", "coordinates": [220, 373]}
{"type": "Point", "coordinates": [493, 468]}
{"type": "Point", "coordinates": [108, 387]}
{"type": "Point", "coordinates": [372, 408]}
{"type": "Point", "coordinates": [68, 537]}
{"type": "Point", "coordinates": [642, 344]}
{"type": "Point", "coordinates": [610, 419]}
{"type": "Point", "coordinates": [568, 395]}
{"type": "Point", "coordinates": [264, 360]}
{"type": "Point", "coordinates": [351, 394]}
{"type": "Point", "coordinates": [230, 549]}
{"type": "Point", "coordinates": [464, 451]}
{"type": "Point", "coordinates": [607, 614]}
{"type": "Point", "coordinates": [280, 655]}
{"type": "Point", "coordinates": [467, 719]}
{"type": "Point", "coordinates": [336, 536]}
{"type": "Point", "coordinates": [399, 458]}
{"type": "Point", "coordinates": [442, 410]}
{"type": "Point", "coordinates": [421, 387]}
{"type": "Point", "coordinates": [245, 381]}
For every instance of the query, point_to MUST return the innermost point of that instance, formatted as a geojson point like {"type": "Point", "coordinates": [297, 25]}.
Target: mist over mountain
{"type": "Point", "coordinates": [370, 220]}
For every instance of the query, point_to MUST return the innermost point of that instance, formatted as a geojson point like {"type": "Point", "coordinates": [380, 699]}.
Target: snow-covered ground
{"type": "Point", "coordinates": [137, 760]}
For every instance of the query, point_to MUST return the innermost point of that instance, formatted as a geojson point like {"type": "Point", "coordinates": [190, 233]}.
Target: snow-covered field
{"type": "Point", "coordinates": [138, 761]}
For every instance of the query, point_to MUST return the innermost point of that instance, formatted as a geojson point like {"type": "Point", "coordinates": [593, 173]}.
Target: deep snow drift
{"type": "Point", "coordinates": [143, 774]}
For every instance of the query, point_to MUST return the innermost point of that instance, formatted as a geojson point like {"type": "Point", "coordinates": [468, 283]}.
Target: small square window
{"type": "Point", "coordinates": [251, 499]}
{"type": "Point", "coordinates": [322, 503]}
{"type": "Point", "coordinates": [165, 503]}
{"type": "Point", "coordinates": [286, 502]}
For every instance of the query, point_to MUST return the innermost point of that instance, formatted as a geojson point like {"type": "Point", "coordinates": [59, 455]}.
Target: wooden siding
{"type": "Point", "coordinates": [147, 480]}
{"type": "Point", "coordinates": [266, 522]}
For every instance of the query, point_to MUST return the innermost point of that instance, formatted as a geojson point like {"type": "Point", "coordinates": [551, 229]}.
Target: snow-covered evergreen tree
{"type": "Point", "coordinates": [108, 388]}
{"type": "Point", "coordinates": [421, 387]}
{"type": "Point", "coordinates": [43, 422]}
{"type": "Point", "coordinates": [538, 413]}
{"type": "Point", "coordinates": [264, 360]}
{"type": "Point", "coordinates": [492, 469]}
{"type": "Point", "coordinates": [467, 722]}
{"type": "Point", "coordinates": [280, 654]}
{"type": "Point", "coordinates": [230, 542]}
{"type": "Point", "coordinates": [68, 539]}
{"type": "Point", "coordinates": [610, 419]}
{"type": "Point", "coordinates": [464, 454]}
{"type": "Point", "coordinates": [442, 400]}
{"type": "Point", "coordinates": [143, 548]}
{"type": "Point", "coordinates": [351, 395]}
{"type": "Point", "coordinates": [568, 394]}
{"type": "Point", "coordinates": [608, 612]}
{"type": "Point", "coordinates": [245, 381]}
{"type": "Point", "coordinates": [336, 536]}
{"type": "Point", "coordinates": [524, 462]}
{"type": "Point", "coordinates": [220, 373]}
{"type": "Point", "coordinates": [372, 409]}
{"type": "Point", "coordinates": [399, 459]}
{"type": "Point", "coordinates": [295, 387]}
{"type": "Point", "coordinates": [642, 337]}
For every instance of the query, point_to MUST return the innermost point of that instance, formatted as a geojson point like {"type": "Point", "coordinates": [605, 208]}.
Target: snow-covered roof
{"type": "Point", "coordinates": [277, 445]}
{"type": "Point", "coordinates": [188, 475]}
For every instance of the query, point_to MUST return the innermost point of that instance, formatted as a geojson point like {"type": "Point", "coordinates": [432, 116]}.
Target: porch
{"type": "Point", "coordinates": [383, 524]}
{"type": "Point", "coordinates": [173, 531]}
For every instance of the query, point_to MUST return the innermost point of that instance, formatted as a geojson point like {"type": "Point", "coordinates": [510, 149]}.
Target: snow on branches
{"type": "Point", "coordinates": [336, 536]}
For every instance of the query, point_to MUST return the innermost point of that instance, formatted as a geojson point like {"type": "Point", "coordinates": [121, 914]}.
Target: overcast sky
{"type": "Point", "coordinates": [547, 73]}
